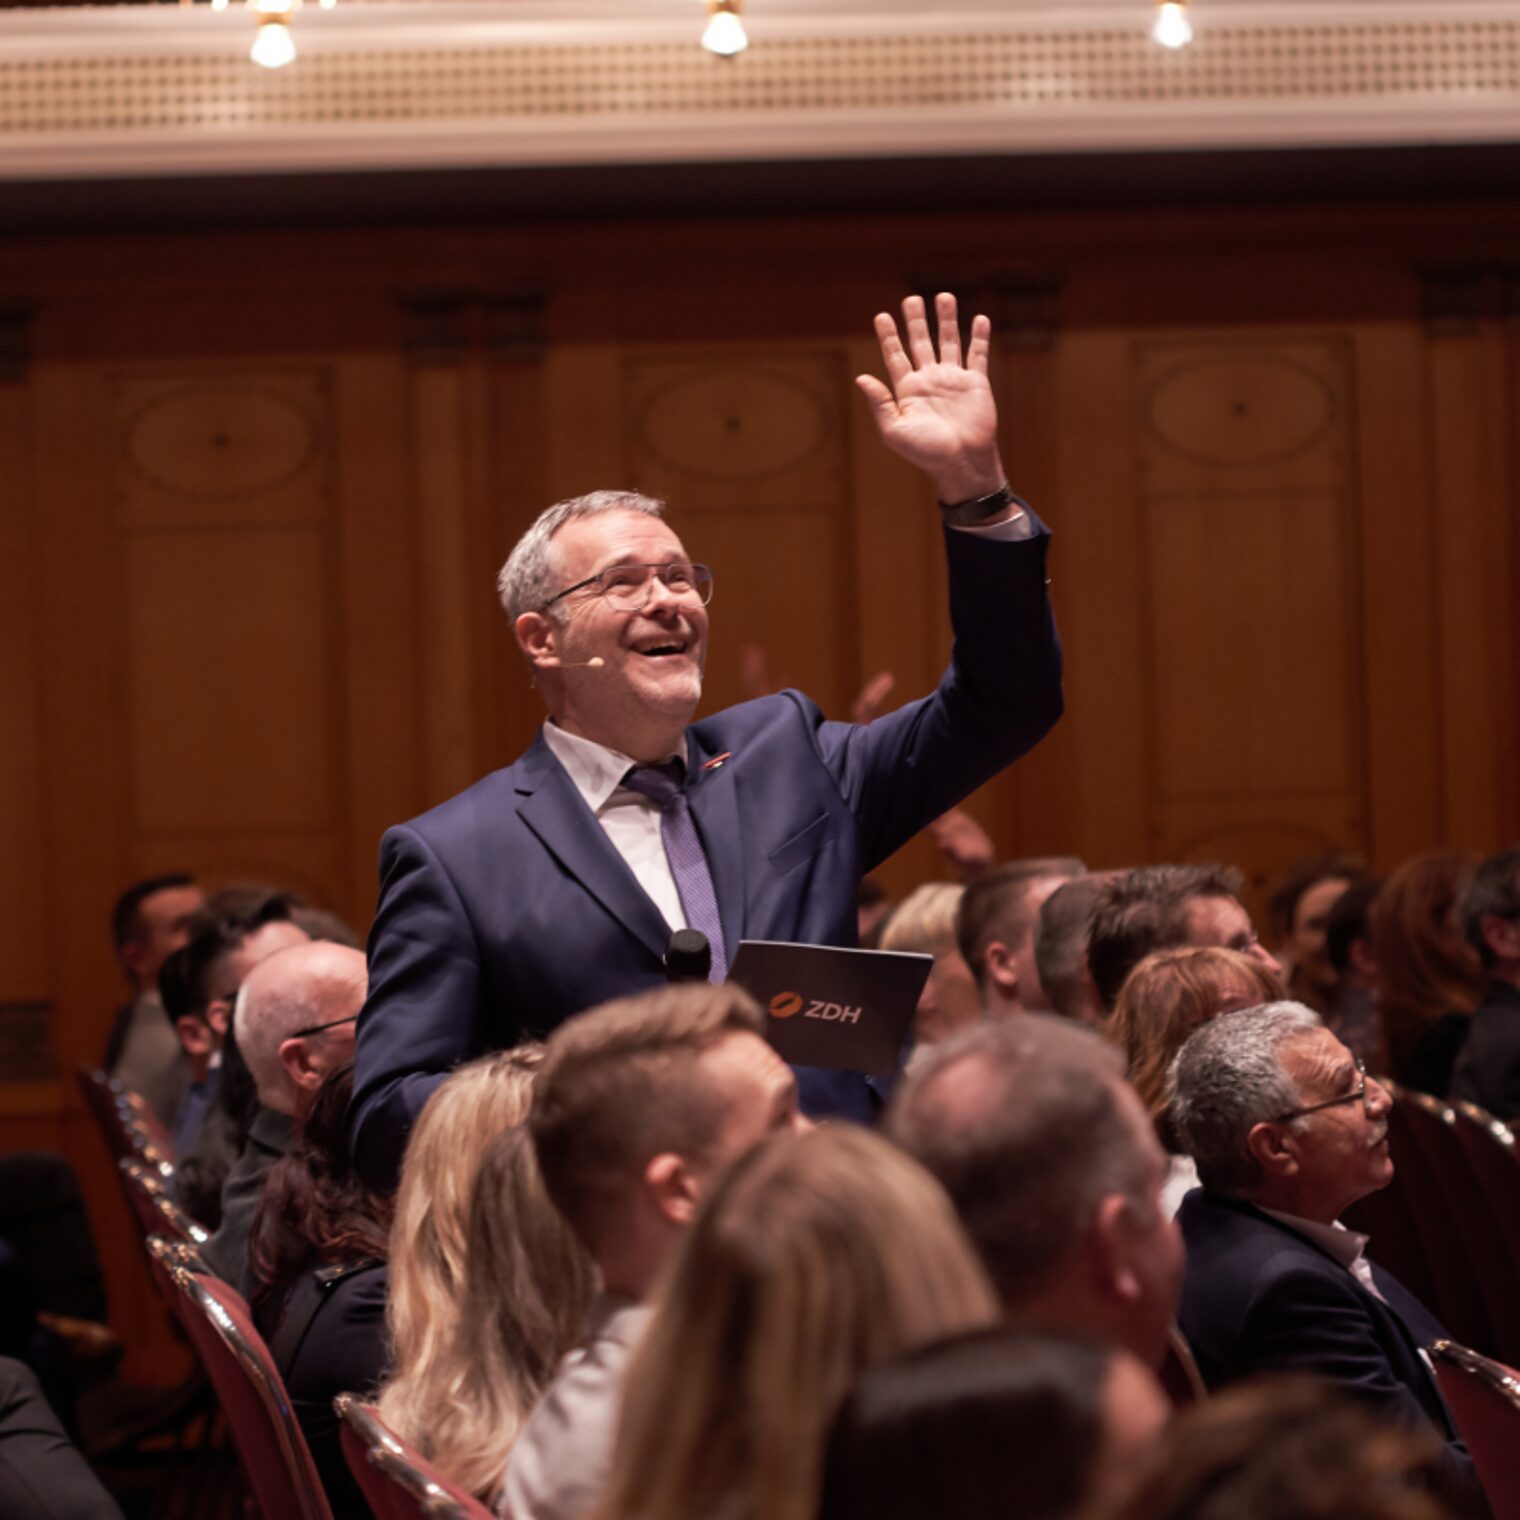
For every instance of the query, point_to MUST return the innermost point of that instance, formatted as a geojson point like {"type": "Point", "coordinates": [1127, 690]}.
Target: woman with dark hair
{"type": "Point", "coordinates": [1284, 1446]}
{"type": "Point", "coordinates": [999, 1421]}
{"type": "Point", "coordinates": [318, 1255]}
{"type": "Point", "coordinates": [1429, 978]}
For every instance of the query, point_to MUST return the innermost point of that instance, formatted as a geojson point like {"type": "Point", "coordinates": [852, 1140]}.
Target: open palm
{"type": "Point", "coordinates": [939, 412]}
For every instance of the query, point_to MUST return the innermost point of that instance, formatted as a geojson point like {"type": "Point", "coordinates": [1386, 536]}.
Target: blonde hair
{"type": "Point", "coordinates": [924, 921]}
{"type": "Point", "coordinates": [816, 1256]}
{"type": "Point", "coordinates": [451, 1392]}
{"type": "Point", "coordinates": [1167, 996]}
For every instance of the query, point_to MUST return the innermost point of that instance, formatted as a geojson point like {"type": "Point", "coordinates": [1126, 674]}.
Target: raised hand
{"type": "Point", "coordinates": [939, 413]}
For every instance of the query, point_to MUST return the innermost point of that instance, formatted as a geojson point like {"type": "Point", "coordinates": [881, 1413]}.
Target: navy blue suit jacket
{"type": "Point", "coordinates": [1260, 1297]}
{"type": "Point", "coordinates": [507, 909]}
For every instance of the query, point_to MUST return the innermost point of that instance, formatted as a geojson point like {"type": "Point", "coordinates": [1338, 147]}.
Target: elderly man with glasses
{"type": "Point", "coordinates": [1289, 1131]}
{"type": "Point", "coordinates": [555, 884]}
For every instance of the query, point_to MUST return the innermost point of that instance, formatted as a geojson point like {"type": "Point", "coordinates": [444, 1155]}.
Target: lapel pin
{"type": "Point", "coordinates": [718, 760]}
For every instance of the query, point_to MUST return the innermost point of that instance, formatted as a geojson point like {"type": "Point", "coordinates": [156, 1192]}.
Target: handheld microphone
{"type": "Point", "coordinates": [688, 958]}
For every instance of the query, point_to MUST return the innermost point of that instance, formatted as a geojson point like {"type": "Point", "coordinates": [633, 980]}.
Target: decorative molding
{"type": "Point", "coordinates": [138, 89]}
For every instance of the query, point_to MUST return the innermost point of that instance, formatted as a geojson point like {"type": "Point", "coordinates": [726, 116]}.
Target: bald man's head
{"type": "Point", "coordinates": [295, 1020]}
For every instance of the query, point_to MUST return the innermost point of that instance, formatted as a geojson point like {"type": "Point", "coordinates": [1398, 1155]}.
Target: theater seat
{"type": "Point", "coordinates": [155, 1211]}
{"type": "Point", "coordinates": [1484, 1397]}
{"type": "Point", "coordinates": [273, 1452]}
{"type": "Point", "coordinates": [398, 1482]}
{"type": "Point", "coordinates": [1178, 1374]}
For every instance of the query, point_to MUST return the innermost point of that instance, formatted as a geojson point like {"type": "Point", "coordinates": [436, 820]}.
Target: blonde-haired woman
{"type": "Point", "coordinates": [1163, 1000]}
{"type": "Point", "coordinates": [816, 1256]}
{"type": "Point", "coordinates": [488, 1288]}
{"type": "Point", "coordinates": [924, 922]}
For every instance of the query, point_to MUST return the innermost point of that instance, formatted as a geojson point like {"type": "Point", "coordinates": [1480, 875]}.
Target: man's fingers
{"type": "Point", "coordinates": [883, 402]}
{"type": "Point", "coordinates": [899, 366]}
{"type": "Point", "coordinates": [920, 345]}
{"type": "Point", "coordinates": [981, 338]}
{"type": "Point", "coordinates": [949, 328]}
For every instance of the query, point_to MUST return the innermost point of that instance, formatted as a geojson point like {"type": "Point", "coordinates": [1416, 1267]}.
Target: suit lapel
{"type": "Point", "coordinates": [550, 805]}
{"type": "Point", "coordinates": [713, 797]}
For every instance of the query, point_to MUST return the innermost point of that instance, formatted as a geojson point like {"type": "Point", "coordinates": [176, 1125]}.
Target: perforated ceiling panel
{"type": "Point", "coordinates": [862, 93]}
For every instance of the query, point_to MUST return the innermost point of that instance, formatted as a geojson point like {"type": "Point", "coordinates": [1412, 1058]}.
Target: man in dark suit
{"type": "Point", "coordinates": [555, 884]}
{"type": "Point", "coordinates": [1488, 1065]}
{"type": "Point", "coordinates": [1288, 1131]}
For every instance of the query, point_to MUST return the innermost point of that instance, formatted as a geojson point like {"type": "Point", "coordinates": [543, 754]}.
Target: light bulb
{"type": "Point", "coordinates": [725, 33]}
{"type": "Point", "coordinates": [1172, 28]}
{"type": "Point", "coordinates": [273, 46]}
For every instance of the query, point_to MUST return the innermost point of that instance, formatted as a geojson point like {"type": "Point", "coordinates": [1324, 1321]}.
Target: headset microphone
{"type": "Point", "coordinates": [594, 663]}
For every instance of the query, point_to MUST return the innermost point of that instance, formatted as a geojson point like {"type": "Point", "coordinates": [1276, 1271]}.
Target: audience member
{"type": "Point", "coordinates": [1060, 948]}
{"type": "Point", "coordinates": [641, 1103]}
{"type": "Point", "coordinates": [873, 907]}
{"type": "Point", "coordinates": [956, 1429]}
{"type": "Point", "coordinates": [1354, 1018]}
{"type": "Point", "coordinates": [149, 922]}
{"type": "Point", "coordinates": [816, 1257]}
{"type": "Point", "coordinates": [1287, 1448]}
{"type": "Point", "coordinates": [1297, 911]}
{"type": "Point", "coordinates": [1288, 1132]}
{"type": "Point", "coordinates": [1429, 978]}
{"type": "Point", "coordinates": [1163, 1000]}
{"type": "Point", "coordinates": [1160, 907]}
{"type": "Point", "coordinates": [1488, 1067]}
{"type": "Point", "coordinates": [488, 1288]}
{"type": "Point", "coordinates": [995, 926]}
{"type": "Point", "coordinates": [924, 923]}
{"type": "Point", "coordinates": [294, 1022]}
{"type": "Point", "coordinates": [317, 1253]}
{"type": "Point", "coordinates": [1057, 1174]}
{"type": "Point", "coordinates": [42, 1474]}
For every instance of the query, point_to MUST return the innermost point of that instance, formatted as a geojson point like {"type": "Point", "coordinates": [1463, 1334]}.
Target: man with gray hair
{"type": "Point", "coordinates": [293, 1023]}
{"type": "Point", "coordinates": [556, 884]}
{"type": "Point", "coordinates": [1056, 1172]}
{"type": "Point", "coordinates": [1288, 1131]}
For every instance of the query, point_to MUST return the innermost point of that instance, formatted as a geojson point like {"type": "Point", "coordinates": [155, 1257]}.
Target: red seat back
{"type": "Point", "coordinates": [273, 1452]}
{"type": "Point", "coordinates": [396, 1479]}
{"type": "Point", "coordinates": [155, 1210]}
{"type": "Point", "coordinates": [1178, 1374]}
{"type": "Point", "coordinates": [1484, 1398]}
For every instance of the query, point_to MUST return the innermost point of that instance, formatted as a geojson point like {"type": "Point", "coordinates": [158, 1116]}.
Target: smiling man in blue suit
{"type": "Point", "coordinates": [555, 884]}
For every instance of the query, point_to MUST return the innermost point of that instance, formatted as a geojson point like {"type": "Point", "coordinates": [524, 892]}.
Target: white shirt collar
{"type": "Point", "coordinates": [596, 770]}
{"type": "Point", "coordinates": [1346, 1246]}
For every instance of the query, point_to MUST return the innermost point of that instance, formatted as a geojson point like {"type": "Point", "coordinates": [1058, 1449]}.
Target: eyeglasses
{"type": "Point", "coordinates": [630, 588]}
{"type": "Point", "coordinates": [302, 1034]}
{"type": "Point", "coordinates": [1357, 1095]}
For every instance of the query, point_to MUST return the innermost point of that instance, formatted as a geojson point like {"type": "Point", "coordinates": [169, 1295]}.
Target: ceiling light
{"type": "Point", "coordinates": [273, 46]}
{"type": "Point", "coordinates": [725, 34]}
{"type": "Point", "coordinates": [1172, 28]}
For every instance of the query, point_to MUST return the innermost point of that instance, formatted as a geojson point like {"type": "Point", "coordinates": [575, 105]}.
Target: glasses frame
{"type": "Point", "coordinates": [656, 573]}
{"type": "Point", "coordinates": [303, 1034]}
{"type": "Point", "coordinates": [1358, 1095]}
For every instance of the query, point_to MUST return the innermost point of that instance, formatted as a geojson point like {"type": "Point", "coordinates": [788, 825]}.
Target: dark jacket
{"type": "Point", "coordinates": [1488, 1067]}
{"type": "Point", "coordinates": [1260, 1297]}
{"type": "Point", "coordinates": [226, 1253]}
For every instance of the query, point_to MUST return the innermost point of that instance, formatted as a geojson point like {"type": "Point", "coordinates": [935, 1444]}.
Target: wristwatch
{"type": "Point", "coordinates": [979, 509]}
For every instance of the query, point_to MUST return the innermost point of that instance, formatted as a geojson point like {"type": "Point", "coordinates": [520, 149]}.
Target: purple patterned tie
{"type": "Point", "coordinates": [683, 849]}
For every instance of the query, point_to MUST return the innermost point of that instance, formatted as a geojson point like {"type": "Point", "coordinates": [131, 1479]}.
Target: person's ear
{"type": "Point", "coordinates": [1363, 958]}
{"type": "Point", "coordinates": [1002, 971]}
{"type": "Point", "coordinates": [1117, 1231]}
{"type": "Point", "coordinates": [673, 1187]}
{"type": "Point", "coordinates": [295, 1056]}
{"type": "Point", "coordinates": [194, 1035]}
{"type": "Point", "coordinates": [1503, 937]}
{"type": "Point", "coordinates": [134, 955]}
{"type": "Point", "coordinates": [1272, 1148]}
{"type": "Point", "coordinates": [537, 636]}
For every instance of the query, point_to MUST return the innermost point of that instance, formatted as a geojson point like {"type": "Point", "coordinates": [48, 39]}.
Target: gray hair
{"type": "Point", "coordinates": [293, 989]}
{"type": "Point", "coordinates": [1022, 1122]}
{"type": "Point", "coordinates": [1227, 1078]}
{"type": "Point", "coordinates": [526, 581]}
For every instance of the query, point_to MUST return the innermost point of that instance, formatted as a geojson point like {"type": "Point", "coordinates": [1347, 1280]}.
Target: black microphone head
{"type": "Point", "coordinates": [688, 957]}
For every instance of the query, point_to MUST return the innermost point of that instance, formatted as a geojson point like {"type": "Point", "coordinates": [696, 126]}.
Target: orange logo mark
{"type": "Point", "coordinates": [785, 1004]}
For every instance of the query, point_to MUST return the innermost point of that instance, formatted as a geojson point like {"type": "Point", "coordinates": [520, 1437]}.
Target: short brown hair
{"type": "Point", "coordinates": [620, 1085]}
{"type": "Point", "coordinates": [1143, 910]}
{"type": "Point", "coordinates": [996, 906]}
{"type": "Point", "coordinates": [1020, 1120]}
